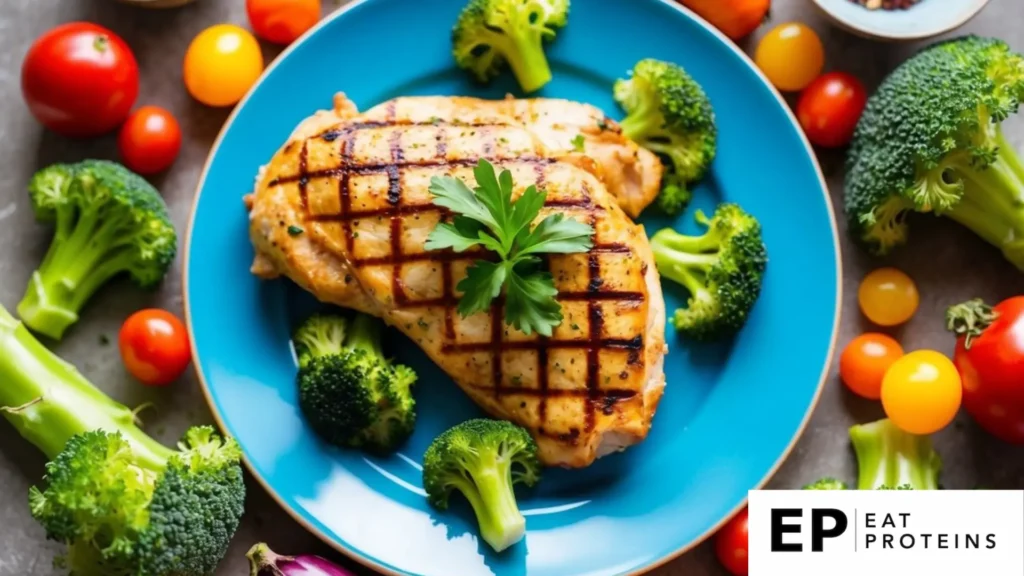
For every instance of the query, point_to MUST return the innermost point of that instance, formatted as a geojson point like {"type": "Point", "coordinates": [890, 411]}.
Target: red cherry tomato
{"type": "Point", "coordinates": [864, 362]}
{"type": "Point", "coordinates": [992, 367]}
{"type": "Point", "coordinates": [282, 21]}
{"type": "Point", "coordinates": [154, 347]}
{"type": "Point", "coordinates": [731, 545]}
{"type": "Point", "coordinates": [150, 140]}
{"type": "Point", "coordinates": [80, 80]}
{"type": "Point", "coordinates": [830, 107]}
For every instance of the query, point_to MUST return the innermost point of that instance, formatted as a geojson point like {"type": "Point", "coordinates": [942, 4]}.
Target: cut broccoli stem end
{"type": "Point", "coordinates": [993, 204]}
{"type": "Point", "coordinates": [48, 401]}
{"type": "Point", "coordinates": [501, 522]}
{"type": "Point", "coordinates": [525, 55]}
{"type": "Point", "coordinates": [888, 457]}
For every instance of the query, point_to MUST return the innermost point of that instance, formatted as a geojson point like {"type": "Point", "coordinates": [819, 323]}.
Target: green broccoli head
{"type": "Point", "coordinates": [492, 33]}
{"type": "Point", "coordinates": [674, 196]}
{"type": "Point", "coordinates": [349, 392]}
{"type": "Point", "coordinates": [930, 141]}
{"type": "Point", "coordinates": [107, 221]}
{"type": "Point", "coordinates": [668, 112]}
{"type": "Point", "coordinates": [890, 459]}
{"type": "Point", "coordinates": [722, 269]}
{"type": "Point", "coordinates": [483, 459]}
{"type": "Point", "coordinates": [320, 335]}
{"type": "Point", "coordinates": [826, 484]}
{"type": "Point", "coordinates": [121, 516]}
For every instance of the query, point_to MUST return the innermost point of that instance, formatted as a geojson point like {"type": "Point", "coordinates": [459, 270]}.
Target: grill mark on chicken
{"type": "Point", "coordinates": [303, 179]}
{"type": "Point", "coordinates": [596, 326]}
{"type": "Point", "coordinates": [594, 397]}
{"type": "Point", "coordinates": [370, 168]}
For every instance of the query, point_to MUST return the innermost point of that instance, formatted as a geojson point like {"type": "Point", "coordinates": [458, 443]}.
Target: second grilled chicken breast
{"type": "Point", "coordinates": [357, 187]}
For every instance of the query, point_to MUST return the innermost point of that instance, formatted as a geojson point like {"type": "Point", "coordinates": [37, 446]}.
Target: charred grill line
{"type": "Point", "coordinates": [364, 169]}
{"type": "Point", "coordinates": [423, 208]}
{"type": "Point", "coordinates": [596, 327]}
{"type": "Point", "coordinates": [303, 178]}
{"type": "Point", "coordinates": [333, 133]}
{"type": "Point", "coordinates": [343, 188]}
{"type": "Point", "coordinates": [394, 199]}
{"type": "Point", "coordinates": [615, 394]}
{"type": "Point", "coordinates": [609, 343]}
{"type": "Point", "coordinates": [440, 152]}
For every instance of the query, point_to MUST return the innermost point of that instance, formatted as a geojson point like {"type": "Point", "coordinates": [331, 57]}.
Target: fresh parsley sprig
{"type": "Point", "coordinates": [488, 217]}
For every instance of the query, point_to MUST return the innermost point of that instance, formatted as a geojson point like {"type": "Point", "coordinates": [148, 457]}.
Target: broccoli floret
{"type": "Point", "coordinates": [483, 459]}
{"type": "Point", "coordinates": [722, 269]}
{"type": "Point", "coordinates": [890, 459]}
{"type": "Point", "coordinates": [674, 196]}
{"type": "Point", "coordinates": [122, 503]}
{"type": "Point", "coordinates": [930, 141]}
{"type": "Point", "coordinates": [350, 393]}
{"type": "Point", "coordinates": [491, 33]}
{"type": "Point", "coordinates": [107, 221]}
{"type": "Point", "coordinates": [668, 113]}
{"type": "Point", "coordinates": [826, 484]}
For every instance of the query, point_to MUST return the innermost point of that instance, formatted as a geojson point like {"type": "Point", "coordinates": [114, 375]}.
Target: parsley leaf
{"type": "Point", "coordinates": [577, 143]}
{"type": "Point", "coordinates": [487, 217]}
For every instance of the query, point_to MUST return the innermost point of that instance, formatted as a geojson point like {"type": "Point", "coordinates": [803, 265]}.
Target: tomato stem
{"type": "Point", "coordinates": [101, 43]}
{"type": "Point", "coordinates": [970, 319]}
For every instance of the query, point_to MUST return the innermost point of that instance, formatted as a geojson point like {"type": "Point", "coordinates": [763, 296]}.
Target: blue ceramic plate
{"type": "Point", "coordinates": [730, 413]}
{"type": "Point", "coordinates": [923, 20]}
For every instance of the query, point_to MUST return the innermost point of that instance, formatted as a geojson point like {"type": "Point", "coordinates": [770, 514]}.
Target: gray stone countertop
{"type": "Point", "coordinates": [948, 263]}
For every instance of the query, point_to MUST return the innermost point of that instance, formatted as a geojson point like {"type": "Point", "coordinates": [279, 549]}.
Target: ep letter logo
{"type": "Point", "coordinates": [824, 523]}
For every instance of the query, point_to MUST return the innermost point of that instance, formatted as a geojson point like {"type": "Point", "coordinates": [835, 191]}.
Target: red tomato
{"type": "Point", "coordinates": [830, 107]}
{"type": "Point", "coordinates": [735, 18]}
{"type": "Point", "coordinates": [991, 365]}
{"type": "Point", "coordinates": [80, 80]}
{"type": "Point", "coordinates": [149, 140]}
{"type": "Point", "coordinates": [154, 347]}
{"type": "Point", "coordinates": [731, 545]}
{"type": "Point", "coordinates": [282, 21]}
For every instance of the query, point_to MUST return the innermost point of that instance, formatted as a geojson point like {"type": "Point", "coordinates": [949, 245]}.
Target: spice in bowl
{"type": "Point", "coordinates": [886, 4]}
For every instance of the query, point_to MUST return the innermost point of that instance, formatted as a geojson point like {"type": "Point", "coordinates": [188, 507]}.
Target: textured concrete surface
{"type": "Point", "coordinates": [949, 264]}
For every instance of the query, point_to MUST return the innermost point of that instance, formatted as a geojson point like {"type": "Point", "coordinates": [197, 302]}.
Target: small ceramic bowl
{"type": "Point", "coordinates": [925, 19]}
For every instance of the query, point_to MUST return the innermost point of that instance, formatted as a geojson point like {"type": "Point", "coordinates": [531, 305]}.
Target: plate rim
{"type": "Point", "coordinates": [370, 563]}
{"type": "Point", "coordinates": [875, 34]}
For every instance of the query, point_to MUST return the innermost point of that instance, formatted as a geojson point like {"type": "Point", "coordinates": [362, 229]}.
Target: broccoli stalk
{"type": "Point", "coordinates": [992, 201]}
{"type": "Point", "coordinates": [668, 113]}
{"type": "Point", "coordinates": [350, 393]}
{"type": "Point", "coordinates": [484, 459]}
{"type": "Point", "coordinates": [107, 221]}
{"type": "Point", "coordinates": [930, 141]}
{"type": "Point", "coordinates": [491, 33]}
{"type": "Point", "coordinates": [827, 483]}
{"type": "Point", "coordinates": [722, 269]}
{"type": "Point", "coordinates": [889, 458]}
{"type": "Point", "coordinates": [121, 502]}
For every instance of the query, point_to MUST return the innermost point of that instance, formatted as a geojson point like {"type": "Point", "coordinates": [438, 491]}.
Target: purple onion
{"type": "Point", "coordinates": [263, 560]}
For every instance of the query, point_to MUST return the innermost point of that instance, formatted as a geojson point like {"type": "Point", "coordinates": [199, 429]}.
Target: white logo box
{"type": "Point", "coordinates": [887, 532]}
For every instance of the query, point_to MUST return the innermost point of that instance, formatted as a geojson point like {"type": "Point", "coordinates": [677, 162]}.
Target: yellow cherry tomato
{"type": "Point", "coordinates": [888, 297]}
{"type": "Point", "coordinates": [221, 64]}
{"type": "Point", "coordinates": [921, 392]}
{"type": "Point", "coordinates": [791, 56]}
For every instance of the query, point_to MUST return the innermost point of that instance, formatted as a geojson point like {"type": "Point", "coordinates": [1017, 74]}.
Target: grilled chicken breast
{"type": "Point", "coordinates": [357, 186]}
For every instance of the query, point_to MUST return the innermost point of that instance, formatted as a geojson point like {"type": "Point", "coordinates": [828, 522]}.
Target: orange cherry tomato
{"type": "Point", "coordinates": [921, 392]}
{"type": "Point", "coordinates": [154, 347]}
{"type": "Point", "coordinates": [149, 140]}
{"type": "Point", "coordinates": [282, 21]}
{"type": "Point", "coordinates": [864, 362]}
{"type": "Point", "coordinates": [888, 297]}
{"type": "Point", "coordinates": [735, 18]}
{"type": "Point", "coordinates": [791, 56]}
{"type": "Point", "coordinates": [221, 64]}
